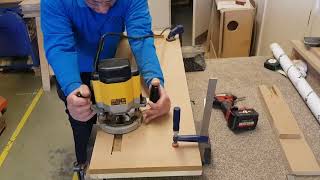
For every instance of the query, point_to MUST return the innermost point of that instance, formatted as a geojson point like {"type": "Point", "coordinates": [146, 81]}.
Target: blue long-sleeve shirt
{"type": "Point", "coordinates": [71, 32]}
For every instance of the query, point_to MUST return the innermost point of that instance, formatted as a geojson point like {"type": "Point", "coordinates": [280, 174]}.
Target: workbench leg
{"type": "Point", "coordinates": [44, 66]}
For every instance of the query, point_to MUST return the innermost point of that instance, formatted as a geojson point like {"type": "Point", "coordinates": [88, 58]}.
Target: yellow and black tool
{"type": "Point", "coordinates": [117, 90]}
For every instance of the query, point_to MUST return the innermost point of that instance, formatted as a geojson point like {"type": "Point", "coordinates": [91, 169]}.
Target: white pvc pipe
{"type": "Point", "coordinates": [300, 83]}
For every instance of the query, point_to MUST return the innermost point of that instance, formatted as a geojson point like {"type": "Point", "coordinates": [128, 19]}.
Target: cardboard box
{"type": "Point", "coordinates": [232, 30]}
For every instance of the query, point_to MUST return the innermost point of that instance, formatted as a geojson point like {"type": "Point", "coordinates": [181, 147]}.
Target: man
{"type": "Point", "coordinates": [71, 30]}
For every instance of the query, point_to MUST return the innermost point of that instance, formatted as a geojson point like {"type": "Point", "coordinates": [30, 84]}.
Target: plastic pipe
{"type": "Point", "coordinates": [299, 82]}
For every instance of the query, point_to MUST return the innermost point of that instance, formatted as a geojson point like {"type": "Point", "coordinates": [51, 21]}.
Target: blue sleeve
{"type": "Point", "coordinates": [138, 23]}
{"type": "Point", "coordinates": [59, 44]}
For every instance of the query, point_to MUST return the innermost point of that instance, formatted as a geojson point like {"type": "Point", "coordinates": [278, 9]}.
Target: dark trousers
{"type": "Point", "coordinates": [81, 130]}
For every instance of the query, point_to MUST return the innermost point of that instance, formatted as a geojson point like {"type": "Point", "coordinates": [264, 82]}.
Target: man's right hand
{"type": "Point", "coordinates": [80, 107]}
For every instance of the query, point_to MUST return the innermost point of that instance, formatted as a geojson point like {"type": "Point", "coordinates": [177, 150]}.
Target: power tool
{"type": "Point", "coordinates": [238, 119]}
{"type": "Point", "coordinates": [117, 90]}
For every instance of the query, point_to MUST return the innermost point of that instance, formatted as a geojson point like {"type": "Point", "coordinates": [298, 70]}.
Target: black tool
{"type": "Point", "coordinates": [184, 138]}
{"type": "Point", "coordinates": [312, 41]}
{"type": "Point", "coordinates": [178, 29]}
{"type": "Point", "coordinates": [154, 91]}
{"type": "Point", "coordinates": [272, 64]}
{"type": "Point", "coordinates": [238, 119]}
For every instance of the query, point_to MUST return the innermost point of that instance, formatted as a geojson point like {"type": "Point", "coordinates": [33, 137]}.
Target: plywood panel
{"type": "Point", "coordinates": [237, 43]}
{"type": "Point", "coordinates": [148, 149]}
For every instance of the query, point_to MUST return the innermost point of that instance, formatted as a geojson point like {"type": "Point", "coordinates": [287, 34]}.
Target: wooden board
{"type": "Point", "coordinates": [281, 116]}
{"type": "Point", "coordinates": [147, 152]}
{"type": "Point", "coordinates": [312, 55]}
{"type": "Point", "coordinates": [300, 157]}
{"type": "Point", "coordinates": [237, 43]}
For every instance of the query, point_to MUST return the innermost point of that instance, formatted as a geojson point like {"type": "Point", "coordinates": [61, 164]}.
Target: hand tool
{"type": "Point", "coordinates": [184, 138]}
{"type": "Point", "coordinates": [178, 29]}
{"type": "Point", "coordinates": [117, 90]}
{"type": "Point", "coordinates": [154, 91]}
{"type": "Point", "coordinates": [238, 119]}
{"type": "Point", "coordinates": [203, 138]}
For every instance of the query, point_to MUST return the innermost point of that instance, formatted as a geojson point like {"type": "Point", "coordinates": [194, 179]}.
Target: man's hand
{"type": "Point", "coordinates": [158, 109]}
{"type": "Point", "coordinates": [80, 107]}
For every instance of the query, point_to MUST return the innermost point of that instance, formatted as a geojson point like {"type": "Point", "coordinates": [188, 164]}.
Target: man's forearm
{"type": "Point", "coordinates": [147, 60]}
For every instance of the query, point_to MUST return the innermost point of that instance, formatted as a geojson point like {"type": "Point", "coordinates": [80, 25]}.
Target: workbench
{"type": "Point", "coordinates": [31, 9]}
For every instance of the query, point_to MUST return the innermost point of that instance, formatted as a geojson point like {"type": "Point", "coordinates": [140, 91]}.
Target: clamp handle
{"type": "Point", "coordinates": [176, 119]}
{"type": "Point", "coordinates": [154, 91]}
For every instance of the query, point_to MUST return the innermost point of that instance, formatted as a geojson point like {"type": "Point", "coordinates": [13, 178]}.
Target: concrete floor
{"type": "Point", "coordinates": [44, 148]}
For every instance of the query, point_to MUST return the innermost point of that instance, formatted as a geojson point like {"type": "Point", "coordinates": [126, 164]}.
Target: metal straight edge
{"type": "Point", "coordinates": [204, 127]}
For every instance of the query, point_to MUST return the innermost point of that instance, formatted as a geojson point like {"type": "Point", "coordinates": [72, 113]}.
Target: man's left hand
{"type": "Point", "coordinates": [158, 109]}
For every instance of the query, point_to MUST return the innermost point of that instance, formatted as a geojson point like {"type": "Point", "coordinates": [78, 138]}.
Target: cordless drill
{"type": "Point", "coordinates": [238, 119]}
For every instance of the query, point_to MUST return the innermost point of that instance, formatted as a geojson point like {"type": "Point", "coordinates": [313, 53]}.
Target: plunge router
{"type": "Point", "coordinates": [117, 91]}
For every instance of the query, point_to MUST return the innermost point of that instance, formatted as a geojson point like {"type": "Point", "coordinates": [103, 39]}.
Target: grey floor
{"type": "Point", "coordinates": [44, 148]}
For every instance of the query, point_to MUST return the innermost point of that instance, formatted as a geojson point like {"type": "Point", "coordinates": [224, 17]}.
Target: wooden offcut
{"type": "Point", "coordinates": [148, 151]}
{"type": "Point", "coordinates": [300, 157]}
{"type": "Point", "coordinates": [281, 116]}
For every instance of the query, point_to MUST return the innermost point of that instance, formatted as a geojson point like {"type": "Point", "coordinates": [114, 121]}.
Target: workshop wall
{"type": "Point", "coordinates": [201, 15]}
{"type": "Point", "coordinates": [314, 23]}
{"type": "Point", "coordinates": [161, 13]}
{"type": "Point", "coordinates": [281, 21]}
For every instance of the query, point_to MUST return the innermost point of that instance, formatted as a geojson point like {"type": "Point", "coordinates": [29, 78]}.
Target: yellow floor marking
{"type": "Point", "coordinates": [22, 122]}
{"type": "Point", "coordinates": [75, 176]}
